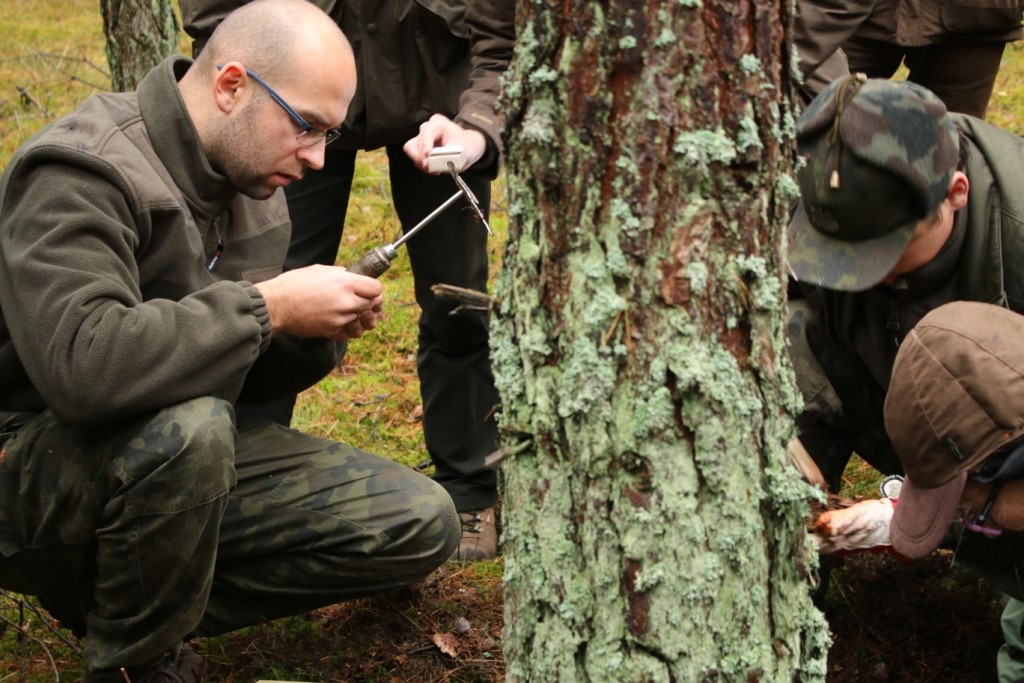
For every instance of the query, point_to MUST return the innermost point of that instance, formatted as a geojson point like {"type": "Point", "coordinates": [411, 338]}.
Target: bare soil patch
{"type": "Point", "coordinates": [900, 622]}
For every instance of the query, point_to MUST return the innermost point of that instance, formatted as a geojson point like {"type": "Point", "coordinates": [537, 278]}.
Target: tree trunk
{"type": "Point", "coordinates": [140, 33]}
{"type": "Point", "coordinates": [652, 527]}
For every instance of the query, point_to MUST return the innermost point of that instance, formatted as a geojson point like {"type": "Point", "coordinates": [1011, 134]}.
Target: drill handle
{"type": "Point", "coordinates": [374, 263]}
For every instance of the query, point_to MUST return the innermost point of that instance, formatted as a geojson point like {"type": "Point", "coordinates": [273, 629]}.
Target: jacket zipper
{"type": "Point", "coordinates": [219, 249]}
{"type": "Point", "coordinates": [893, 324]}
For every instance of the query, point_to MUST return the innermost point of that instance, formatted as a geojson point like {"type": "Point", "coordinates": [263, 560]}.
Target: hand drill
{"type": "Point", "coordinates": [379, 259]}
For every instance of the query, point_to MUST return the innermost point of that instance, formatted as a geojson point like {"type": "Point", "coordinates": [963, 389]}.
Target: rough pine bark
{"type": "Point", "coordinates": [140, 33]}
{"type": "Point", "coordinates": [653, 530]}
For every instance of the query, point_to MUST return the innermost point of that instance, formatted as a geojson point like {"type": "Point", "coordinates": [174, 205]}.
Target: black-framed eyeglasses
{"type": "Point", "coordinates": [309, 135]}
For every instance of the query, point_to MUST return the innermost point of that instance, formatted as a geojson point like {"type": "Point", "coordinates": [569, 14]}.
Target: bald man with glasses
{"type": "Point", "coordinates": [142, 298]}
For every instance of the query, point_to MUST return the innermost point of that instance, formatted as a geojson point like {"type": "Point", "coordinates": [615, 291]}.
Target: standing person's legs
{"type": "Point", "coordinates": [120, 523]}
{"type": "Point", "coordinates": [317, 206]}
{"type": "Point", "coordinates": [962, 75]}
{"type": "Point", "coordinates": [875, 58]}
{"type": "Point", "coordinates": [314, 522]}
{"type": "Point", "coordinates": [453, 359]}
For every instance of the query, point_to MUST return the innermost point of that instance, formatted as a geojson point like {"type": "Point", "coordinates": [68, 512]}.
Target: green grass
{"type": "Point", "coordinates": [51, 58]}
{"type": "Point", "coordinates": [1006, 108]}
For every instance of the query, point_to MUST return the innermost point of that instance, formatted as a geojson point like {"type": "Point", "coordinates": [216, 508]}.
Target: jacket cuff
{"type": "Point", "coordinates": [490, 128]}
{"type": "Point", "coordinates": [490, 162]}
{"type": "Point", "coordinates": [260, 313]}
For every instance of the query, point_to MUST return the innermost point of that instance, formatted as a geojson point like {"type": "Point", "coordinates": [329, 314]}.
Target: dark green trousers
{"type": "Point", "coordinates": [175, 524]}
{"type": "Point", "coordinates": [961, 74]}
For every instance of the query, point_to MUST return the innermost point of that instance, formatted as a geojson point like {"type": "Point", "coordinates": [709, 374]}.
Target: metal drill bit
{"type": "Point", "coordinates": [473, 202]}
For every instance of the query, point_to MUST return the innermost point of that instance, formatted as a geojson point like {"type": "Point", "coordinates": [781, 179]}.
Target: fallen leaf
{"type": "Point", "coordinates": [447, 643]}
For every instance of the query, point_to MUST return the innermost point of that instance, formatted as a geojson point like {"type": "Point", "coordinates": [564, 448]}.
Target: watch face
{"type": "Point", "coordinates": [890, 486]}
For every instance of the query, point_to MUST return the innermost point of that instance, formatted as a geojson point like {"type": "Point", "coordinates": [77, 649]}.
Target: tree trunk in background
{"type": "Point", "coordinates": [652, 527]}
{"type": "Point", "coordinates": [140, 33]}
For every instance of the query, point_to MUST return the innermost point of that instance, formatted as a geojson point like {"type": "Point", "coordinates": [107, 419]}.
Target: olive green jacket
{"type": "Point", "coordinates": [109, 221]}
{"type": "Point", "coordinates": [415, 58]}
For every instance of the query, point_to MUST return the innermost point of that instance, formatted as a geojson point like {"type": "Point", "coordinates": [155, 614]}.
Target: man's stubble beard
{"type": "Point", "coordinates": [231, 153]}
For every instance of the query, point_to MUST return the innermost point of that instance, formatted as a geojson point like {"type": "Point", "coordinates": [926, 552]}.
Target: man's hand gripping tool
{"type": "Point", "coordinates": [379, 259]}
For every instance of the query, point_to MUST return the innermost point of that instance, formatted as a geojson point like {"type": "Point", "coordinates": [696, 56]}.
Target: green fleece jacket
{"type": "Point", "coordinates": [109, 220]}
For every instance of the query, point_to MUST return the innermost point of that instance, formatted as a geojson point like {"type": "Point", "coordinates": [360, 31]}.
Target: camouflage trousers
{"type": "Point", "coordinates": [176, 524]}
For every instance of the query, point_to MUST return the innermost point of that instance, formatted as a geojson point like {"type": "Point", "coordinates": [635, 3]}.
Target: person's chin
{"type": "Point", "coordinates": [260, 191]}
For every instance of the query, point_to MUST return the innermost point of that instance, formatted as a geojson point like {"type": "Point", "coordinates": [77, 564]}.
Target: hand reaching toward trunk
{"type": "Point", "coordinates": [861, 526]}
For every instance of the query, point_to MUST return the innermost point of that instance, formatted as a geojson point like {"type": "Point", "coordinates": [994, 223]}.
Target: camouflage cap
{"type": "Point", "coordinates": [879, 157]}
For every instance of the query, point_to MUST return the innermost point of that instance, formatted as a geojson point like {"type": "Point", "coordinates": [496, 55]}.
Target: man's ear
{"type": "Point", "coordinates": [959, 188]}
{"type": "Point", "coordinates": [230, 86]}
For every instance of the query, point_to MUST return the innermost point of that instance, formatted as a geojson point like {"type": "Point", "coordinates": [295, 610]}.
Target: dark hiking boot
{"type": "Point", "coordinates": [479, 536]}
{"type": "Point", "coordinates": [181, 666]}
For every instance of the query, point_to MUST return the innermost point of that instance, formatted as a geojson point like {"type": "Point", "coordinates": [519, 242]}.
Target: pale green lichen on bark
{"type": "Point", "coordinates": [528, 49]}
{"type": "Point", "coordinates": [655, 413]}
{"type": "Point", "coordinates": [612, 479]}
{"type": "Point", "coordinates": [701, 148]}
{"type": "Point", "coordinates": [749, 135]}
{"type": "Point", "coordinates": [538, 126]}
{"type": "Point", "coordinates": [786, 187]}
{"type": "Point", "coordinates": [765, 294]}
{"type": "Point", "coordinates": [512, 353]}
{"type": "Point", "coordinates": [548, 517]}
{"type": "Point", "coordinates": [750, 65]}
{"type": "Point", "coordinates": [624, 220]}
{"type": "Point", "coordinates": [601, 303]}
{"type": "Point", "coordinates": [713, 370]}
{"type": "Point", "coordinates": [585, 381]}
{"type": "Point", "coordinates": [551, 611]}
{"type": "Point", "coordinates": [783, 123]}
{"type": "Point", "coordinates": [794, 66]}
{"type": "Point", "coordinates": [543, 75]}
{"type": "Point", "coordinates": [697, 273]}
{"type": "Point", "coordinates": [665, 38]}
{"type": "Point", "coordinates": [618, 265]}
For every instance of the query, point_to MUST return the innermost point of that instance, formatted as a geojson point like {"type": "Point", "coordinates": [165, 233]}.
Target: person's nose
{"type": "Point", "coordinates": [313, 156]}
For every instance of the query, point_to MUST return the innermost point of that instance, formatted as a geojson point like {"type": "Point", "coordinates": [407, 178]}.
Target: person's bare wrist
{"type": "Point", "coordinates": [267, 290]}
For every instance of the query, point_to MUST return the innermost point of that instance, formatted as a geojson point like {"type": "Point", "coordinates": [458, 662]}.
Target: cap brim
{"type": "Point", "coordinates": [842, 265]}
{"type": "Point", "coordinates": [923, 516]}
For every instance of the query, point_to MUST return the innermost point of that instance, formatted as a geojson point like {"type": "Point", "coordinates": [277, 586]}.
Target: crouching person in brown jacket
{"type": "Point", "coordinates": [955, 413]}
{"type": "Point", "coordinates": [141, 298]}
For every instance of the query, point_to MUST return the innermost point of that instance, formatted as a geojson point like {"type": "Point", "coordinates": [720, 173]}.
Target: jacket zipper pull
{"type": "Point", "coordinates": [894, 326]}
{"type": "Point", "coordinates": [219, 250]}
